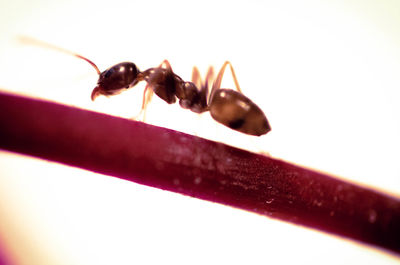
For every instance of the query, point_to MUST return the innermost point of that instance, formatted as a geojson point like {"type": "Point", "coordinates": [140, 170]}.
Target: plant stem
{"type": "Point", "coordinates": [200, 168]}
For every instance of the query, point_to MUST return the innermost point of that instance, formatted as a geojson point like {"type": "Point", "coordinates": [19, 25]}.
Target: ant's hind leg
{"type": "Point", "coordinates": [218, 80]}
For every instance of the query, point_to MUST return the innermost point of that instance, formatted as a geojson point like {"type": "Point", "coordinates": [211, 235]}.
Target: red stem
{"type": "Point", "coordinates": [193, 166]}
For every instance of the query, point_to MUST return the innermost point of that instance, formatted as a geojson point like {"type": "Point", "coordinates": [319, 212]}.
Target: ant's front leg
{"type": "Point", "coordinates": [147, 96]}
{"type": "Point", "coordinates": [167, 65]}
{"type": "Point", "coordinates": [161, 81]}
{"type": "Point", "coordinates": [164, 82]}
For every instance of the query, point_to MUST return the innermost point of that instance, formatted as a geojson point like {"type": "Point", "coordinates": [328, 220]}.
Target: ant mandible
{"type": "Point", "coordinates": [228, 107]}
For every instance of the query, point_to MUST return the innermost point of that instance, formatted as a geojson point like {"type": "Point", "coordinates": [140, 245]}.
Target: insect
{"type": "Point", "coordinates": [226, 106]}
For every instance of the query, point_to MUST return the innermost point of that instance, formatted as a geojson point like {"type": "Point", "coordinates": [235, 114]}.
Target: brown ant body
{"type": "Point", "coordinates": [228, 107]}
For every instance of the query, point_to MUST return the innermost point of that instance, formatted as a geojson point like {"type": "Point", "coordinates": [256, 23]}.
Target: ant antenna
{"type": "Point", "coordinates": [32, 41]}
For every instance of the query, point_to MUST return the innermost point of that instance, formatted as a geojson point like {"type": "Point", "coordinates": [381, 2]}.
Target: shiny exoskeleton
{"type": "Point", "coordinates": [226, 106]}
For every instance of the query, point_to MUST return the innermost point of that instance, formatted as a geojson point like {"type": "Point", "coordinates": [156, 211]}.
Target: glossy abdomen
{"type": "Point", "coordinates": [238, 112]}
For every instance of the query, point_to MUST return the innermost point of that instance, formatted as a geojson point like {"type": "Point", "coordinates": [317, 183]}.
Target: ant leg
{"type": "Point", "coordinates": [147, 95]}
{"type": "Point", "coordinates": [207, 83]}
{"type": "Point", "coordinates": [209, 77]}
{"type": "Point", "coordinates": [167, 65]}
{"type": "Point", "coordinates": [218, 80]}
{"type": "Point", "coordinates": [203, 86]}
{"type": "Point", "coordinates": [196, 78]}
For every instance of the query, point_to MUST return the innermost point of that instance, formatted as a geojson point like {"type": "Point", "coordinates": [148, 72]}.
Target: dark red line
{"type": "Point", "coordinates": [193, 166]}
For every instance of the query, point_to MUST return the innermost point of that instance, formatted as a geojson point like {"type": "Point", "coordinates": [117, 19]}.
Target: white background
{"type": "Point", "coordinates": [326, 73]}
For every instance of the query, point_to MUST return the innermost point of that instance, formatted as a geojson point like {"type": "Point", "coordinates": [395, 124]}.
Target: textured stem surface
{"type": "Point", "coordinates": [193, 166]}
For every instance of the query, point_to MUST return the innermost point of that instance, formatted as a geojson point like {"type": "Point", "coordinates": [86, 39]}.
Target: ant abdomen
{"type": "Point", "coordinates": [116, 78]}
{"type": "Point", "coordinates": [238, 112]}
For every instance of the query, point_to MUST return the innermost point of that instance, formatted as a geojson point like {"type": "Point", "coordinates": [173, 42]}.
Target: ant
{"type": "Point", "coordinates": [228, 107]}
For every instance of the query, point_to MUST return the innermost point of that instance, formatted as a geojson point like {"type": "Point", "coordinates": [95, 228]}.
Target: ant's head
{"type": "Point", "coordinates": [115, 79]}
{"type": "Point", "coordinates": [112, 81]}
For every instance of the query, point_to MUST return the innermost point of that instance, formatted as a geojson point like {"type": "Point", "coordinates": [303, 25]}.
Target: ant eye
{"type": "Point", "coordinates": [108, 73]}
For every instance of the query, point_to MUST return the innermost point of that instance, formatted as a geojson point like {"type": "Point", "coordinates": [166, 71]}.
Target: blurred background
{"type": "Point", "coordinates": [326, 73]}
